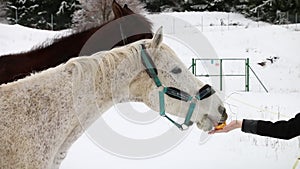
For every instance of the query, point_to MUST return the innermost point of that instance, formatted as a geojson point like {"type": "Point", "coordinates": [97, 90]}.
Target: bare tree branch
{"type": "Point", "coordinates": [95, 12]}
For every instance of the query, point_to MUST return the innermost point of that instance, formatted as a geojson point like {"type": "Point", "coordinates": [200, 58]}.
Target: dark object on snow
{"type": "Point", "coordinates": [270, 59]}
{"type": "Point", "coordinates": [262, 64]}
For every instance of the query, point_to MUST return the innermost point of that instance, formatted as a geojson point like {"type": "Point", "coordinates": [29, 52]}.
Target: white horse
{"type": "Point", "coordinates": [43, 114]}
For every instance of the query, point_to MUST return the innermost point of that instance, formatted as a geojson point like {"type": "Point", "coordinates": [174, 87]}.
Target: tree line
{"type": "Point", "coordinates": [272, 11]}
{"type": "Point", "coordinates": [62, 14]}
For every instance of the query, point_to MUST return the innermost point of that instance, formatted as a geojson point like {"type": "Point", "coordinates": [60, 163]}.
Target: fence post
{"type": "Point", "coordinates": [258, 17]}
{"type": "Point", "coordinates": [193, 66]}
{"type": "Point", "coordinates": [228, 21]}
{"type": "Point", "coordinates": [52, 24]}
{"type": "Point", "coordinates": [174, 26]}
{"type": "Point", "coordinates": [247, 76]}
{"type": "Point", "coordinates": [296, 20]}
{"type": "Point", "coordinates": [202, 23]}
{"type": "Point", "coordinates": [221, 74]}
{"type": "Point", "coordinates": [287, 19]}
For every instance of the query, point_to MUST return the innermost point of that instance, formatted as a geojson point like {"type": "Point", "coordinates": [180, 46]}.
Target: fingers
{"type": "Point", "coordinates": [212, 132]}
{"type": "Point", "coordinates": [224, 130]}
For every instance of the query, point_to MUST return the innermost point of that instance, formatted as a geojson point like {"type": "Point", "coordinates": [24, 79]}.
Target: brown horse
{"type": "Point", "coordinates": [125, 28]}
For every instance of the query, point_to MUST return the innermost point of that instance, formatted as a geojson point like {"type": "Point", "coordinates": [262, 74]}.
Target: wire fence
{"type": "Point", "coordinates": [218, 21]}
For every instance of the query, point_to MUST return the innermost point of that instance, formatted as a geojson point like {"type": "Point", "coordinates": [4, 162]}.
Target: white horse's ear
{"type": "Point", "coordinates": [158, 38]}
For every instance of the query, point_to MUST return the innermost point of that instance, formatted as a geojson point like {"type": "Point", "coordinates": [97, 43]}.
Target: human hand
{"type": "Point", "coordinates": [231, 126]}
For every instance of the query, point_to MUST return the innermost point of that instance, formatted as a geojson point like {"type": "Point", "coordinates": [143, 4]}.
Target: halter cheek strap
{"type": "Point", "coordinates": [150, 67]}
{"type": "Point", "coordinates": [173, 92]}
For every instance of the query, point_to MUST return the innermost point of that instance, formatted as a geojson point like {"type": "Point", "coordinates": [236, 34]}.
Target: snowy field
{"type": "Point", "coordinates": [242, 38]}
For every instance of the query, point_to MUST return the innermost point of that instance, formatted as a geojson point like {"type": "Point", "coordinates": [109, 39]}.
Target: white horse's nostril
{"type": "Point", "coordinates": [223, 113]}
{"type": "Point", "coordinates": [221, 109]}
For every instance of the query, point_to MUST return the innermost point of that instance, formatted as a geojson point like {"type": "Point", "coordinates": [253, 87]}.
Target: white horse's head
{"type": "Point", "coordinates": [171, 72]}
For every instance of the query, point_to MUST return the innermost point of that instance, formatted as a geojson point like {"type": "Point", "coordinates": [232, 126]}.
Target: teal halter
{"type": "Point", "coordinates": [172, 92]}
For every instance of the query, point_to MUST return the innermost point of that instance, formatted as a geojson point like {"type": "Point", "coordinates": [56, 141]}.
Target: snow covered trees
{"type": "Point", "coordinates": [273, 11]}
{"type": "Point", "coordinates": [62, 14]}
{"type": "Point", "coordinates": [2, 11]}
{"type": "Point", "coordinates": [165, 5]}
{"type": "Point", "coordinates": [46, 14]}
{"type": "Point", "coordinates": [93, 12]}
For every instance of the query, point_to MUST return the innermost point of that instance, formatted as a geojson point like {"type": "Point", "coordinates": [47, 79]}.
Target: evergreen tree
{"type": "Point", "coordinates": [211, 5]}
{"type": "Point", "coordinates": [46, 14]}
{"type": "Point", "coordinates": [274, 11]}
{"type": "Point", "coordinates": [3, 11]}
{"type": "Point", "coordinates": [165, 5]}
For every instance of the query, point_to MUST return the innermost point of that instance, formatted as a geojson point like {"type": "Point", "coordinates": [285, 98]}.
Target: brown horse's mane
{"type": "Point", "coordinates": [77, 30]}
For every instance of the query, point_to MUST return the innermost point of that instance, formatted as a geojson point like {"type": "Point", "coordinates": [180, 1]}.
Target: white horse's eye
{"type": "Point", "coordinates": [176, 70]}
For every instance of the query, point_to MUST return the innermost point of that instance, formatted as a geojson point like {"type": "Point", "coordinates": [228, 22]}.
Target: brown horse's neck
{"type": "Point", "coordinates": [104, 37]}
{"type": "Point", "coordinates": [17, 66]}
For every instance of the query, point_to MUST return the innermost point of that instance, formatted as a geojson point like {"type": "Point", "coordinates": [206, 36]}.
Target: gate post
{"type": "Point", "coordinates": [193, 66]}
{"type": "Point", "coordinates": [221, 74]}
{"type": "Point", "coordinates": [247, 75]}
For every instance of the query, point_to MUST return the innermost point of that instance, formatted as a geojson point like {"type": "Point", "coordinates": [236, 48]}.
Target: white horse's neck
{"type": "Point", "coordinates": [104, 79]}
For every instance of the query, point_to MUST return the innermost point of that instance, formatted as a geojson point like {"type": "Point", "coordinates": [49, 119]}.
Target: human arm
{"type": "Point", "coordinates": [280, 129]}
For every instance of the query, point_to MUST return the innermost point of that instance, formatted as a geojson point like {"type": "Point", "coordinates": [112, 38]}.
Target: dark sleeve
{"type": "Point", "coordinates": [280, 129]}
{"type": "Point", "coordinates": [249, 126]}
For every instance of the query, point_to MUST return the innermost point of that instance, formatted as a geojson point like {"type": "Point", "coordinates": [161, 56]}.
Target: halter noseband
{"type": "Point", "coordinates": [173, 92]}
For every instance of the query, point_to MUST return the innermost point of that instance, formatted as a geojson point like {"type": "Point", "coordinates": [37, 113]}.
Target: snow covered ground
{"type": "Point", "coordinates": [243, 38]}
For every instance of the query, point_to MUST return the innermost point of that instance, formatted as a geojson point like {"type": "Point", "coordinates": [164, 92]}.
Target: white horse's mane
{"type": "Point", "coordinates": [97, 63]}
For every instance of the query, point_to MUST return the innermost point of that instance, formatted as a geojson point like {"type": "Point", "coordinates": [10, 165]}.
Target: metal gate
{"type": "Point", "coordinates": [243, 61]}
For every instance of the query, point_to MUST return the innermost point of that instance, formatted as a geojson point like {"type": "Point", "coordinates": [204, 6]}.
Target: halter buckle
{"type": "Point", "coordinates": [184, 127]}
